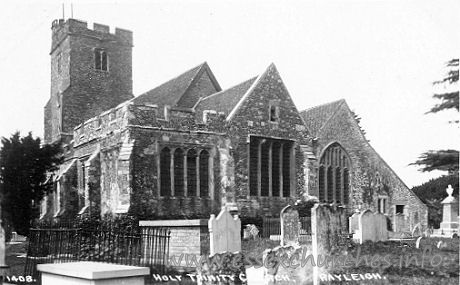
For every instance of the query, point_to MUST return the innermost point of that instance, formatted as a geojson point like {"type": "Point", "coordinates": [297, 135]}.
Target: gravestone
{"type": "Point", "coordinates": [353, 223]}
{"type": "Point", "coordinates": [417, 230]}
{"type": "Point", "coordinates": [224, 232]}
{"type": "Point", "coordinates": [380, 227]}
{"type": "Point", "coordinates": [417, 243]}
{"type": "Point", "coordinates": [371, 226]}
{"type": "Point", "coordinates": [290, 226]}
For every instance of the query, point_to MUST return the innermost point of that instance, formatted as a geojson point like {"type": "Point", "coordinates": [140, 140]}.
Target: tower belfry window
{"type": "Point", "coordinates": [100, 59]}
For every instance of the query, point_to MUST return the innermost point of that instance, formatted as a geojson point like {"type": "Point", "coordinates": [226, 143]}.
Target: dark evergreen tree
{"type": "Point", "coordinates": [444, 160]}
{"type": "Point", "coordinates": [24, 165]}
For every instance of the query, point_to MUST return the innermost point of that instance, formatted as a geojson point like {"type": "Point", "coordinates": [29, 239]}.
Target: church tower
{"type": "Point", "coordinates": [91, 71]}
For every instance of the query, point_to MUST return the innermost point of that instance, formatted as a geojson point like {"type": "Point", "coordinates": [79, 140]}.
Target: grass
{"type": "Point", "coordinates": [405, 266]}
{"type": "Point", "coordinates": [410, 271]}
{"type": "Point", "coordinates": [256, 247]}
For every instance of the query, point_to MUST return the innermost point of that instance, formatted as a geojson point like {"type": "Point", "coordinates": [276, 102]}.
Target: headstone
{"type": "Point", "coordinates": [417, 230]}
{"type": "Point", "coordinates": [290, 226]}
{"type": "Point", "coordinates": [353, 223]}
{"type": "Point", "coordinates": [380, 227]}
{"type": "Point", "coordinates": [441, 244]}
{"type": "Point", "coordinates": [224, 232]}
{"type": "Point", "coordinates": [417, 243]}
{"type": "Point", "coordinates": [371, 227]}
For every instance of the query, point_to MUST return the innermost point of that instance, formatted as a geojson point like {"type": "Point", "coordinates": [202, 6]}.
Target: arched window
{"type": "Point", "coordinates": [334, 175]}
{"type": "Point", "coordinates": [100, 60]}
{"type": "Point", "coordinates": [179, 172]}
{"type": "Point", "coordinates": [165, 172]}
{"type": "Point", "coordinates": [204, 174]}
{"type": "Point", "coordinates": [191, 173]}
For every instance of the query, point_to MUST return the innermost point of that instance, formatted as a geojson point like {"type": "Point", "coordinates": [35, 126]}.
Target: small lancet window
{"type": "Point", "coordinates": [100, 59]}
{"type": "Point", "coordinates": [274, 113]}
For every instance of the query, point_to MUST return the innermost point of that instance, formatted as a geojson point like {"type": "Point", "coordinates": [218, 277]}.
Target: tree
{"type": "Point", "coordinates": [432, 193]}
{"type": "Point", "coordinates": [24, 165]}
{"type": "Point", "coordinates": [444, 160]}
{"type": "Point", "coordinates": [449, 99]}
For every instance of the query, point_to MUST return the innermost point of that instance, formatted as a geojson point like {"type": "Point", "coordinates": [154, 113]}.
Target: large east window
{"type": "Point", "coordinates": [334, 175]}
{"type": "Point", "coordinates": [270, 167]}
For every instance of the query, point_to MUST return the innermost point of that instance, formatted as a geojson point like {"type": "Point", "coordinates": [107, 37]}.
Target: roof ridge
{"type": "Point", "coordinates": [322, 105]}
{"type": "Point", "coordinates": [173, 78]}
{"type": "Point", "coordinates": [230, 88]}
{"type": "Point", "coordinates": [194, 77]}
{"type": "Point", "coordinates": [340, 103]}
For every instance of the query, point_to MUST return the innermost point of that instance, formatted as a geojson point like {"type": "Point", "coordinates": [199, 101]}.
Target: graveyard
{"type": "Point", "coordinates": [339, 250]}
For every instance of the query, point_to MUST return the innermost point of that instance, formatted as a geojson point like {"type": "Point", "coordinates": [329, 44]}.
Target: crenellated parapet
{"type": "Point", "coordinates": [61, 29]}
{"type": "Point", "coordinates": [128, 114]}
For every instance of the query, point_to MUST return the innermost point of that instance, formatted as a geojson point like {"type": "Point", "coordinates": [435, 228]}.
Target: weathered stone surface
{"type": "Point", "coordinates": [290, 226]}
{"type": "Point", "coordinates": [371, 226]}
{"type": "Point", "coordinates": [89, 109]}
{"type": "Point", "coordinates": [224, 233]}
{"type": "Point", "coordinates": [79, 91]}
{"type": "Point", "coordinates": [371, 177]}
{"type": "Point", "coordinates": [289, 269]}
{"type": "Point", "coordinates": [353, 223]}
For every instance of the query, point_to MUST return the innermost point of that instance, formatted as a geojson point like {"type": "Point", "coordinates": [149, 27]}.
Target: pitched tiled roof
{"type": "Point", "coordinates": [171, 91]}
{"type": "Point", "coordinates": [226, 100]}
{"type": "Point", "coordinates": [316, 117]}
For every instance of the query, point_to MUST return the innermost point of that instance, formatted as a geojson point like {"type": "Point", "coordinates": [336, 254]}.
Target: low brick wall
{"type": "Point", "coordinates": [188, 237]}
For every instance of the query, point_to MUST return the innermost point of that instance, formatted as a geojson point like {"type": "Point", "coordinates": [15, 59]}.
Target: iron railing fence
{"type": "Point", "coordinates": [139, 247]}
{"type": "Point", "coordinates": [271, 228]}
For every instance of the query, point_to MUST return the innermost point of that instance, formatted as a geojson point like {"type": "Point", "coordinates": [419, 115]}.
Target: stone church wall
{"type": "Point", "coordinates": [372, 178]}
{"type": "Point", "coordinates": [252, 118]}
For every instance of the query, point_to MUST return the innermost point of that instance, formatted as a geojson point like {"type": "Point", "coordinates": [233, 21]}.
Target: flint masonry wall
{"type": "Point", "coordinates": [371, 176]}
{"type": "Point", "coordinates": [78, 90]}
{"type": "Point", "coordinates": [252, 118]}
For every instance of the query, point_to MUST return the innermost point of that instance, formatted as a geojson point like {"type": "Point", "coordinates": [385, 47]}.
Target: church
{"type": "Point", "coordinates": [188, 147]}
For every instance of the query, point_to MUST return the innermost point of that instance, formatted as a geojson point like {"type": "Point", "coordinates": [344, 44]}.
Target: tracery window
{"type": "Point", "coordinates": [184, 172]}
{"type": "Point", "coordinates": [270, 167]}
{"type": "Point", "coordinates": [334, 175]}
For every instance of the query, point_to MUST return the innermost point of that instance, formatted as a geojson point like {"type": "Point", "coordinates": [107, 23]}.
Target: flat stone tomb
{"type": "Point", "coordinates": [91, 273]}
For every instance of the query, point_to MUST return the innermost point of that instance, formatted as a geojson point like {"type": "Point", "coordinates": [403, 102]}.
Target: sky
{"type": "Point", "coordinates": [380, 56]}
